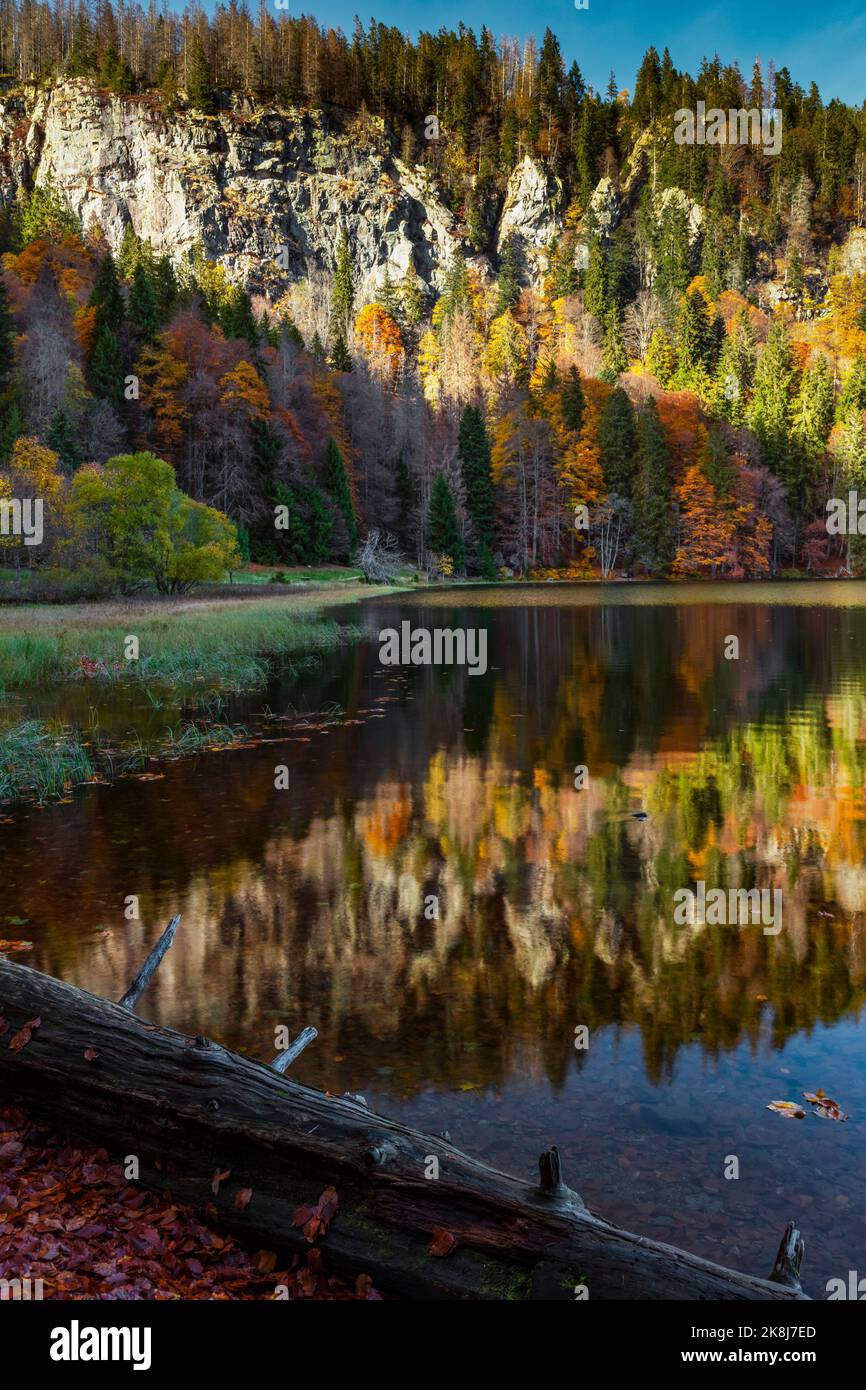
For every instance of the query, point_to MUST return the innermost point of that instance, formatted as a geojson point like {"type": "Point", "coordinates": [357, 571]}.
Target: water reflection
{"type": "Point", "coordinates": [436, 897]}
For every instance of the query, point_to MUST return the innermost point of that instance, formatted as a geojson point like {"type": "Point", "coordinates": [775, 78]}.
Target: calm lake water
{"type": "Point", "coordinates": [555, 905]}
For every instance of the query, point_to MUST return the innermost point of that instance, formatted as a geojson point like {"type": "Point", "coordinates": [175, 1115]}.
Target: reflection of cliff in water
{"type": "Point", "coordinates": [554, 905]}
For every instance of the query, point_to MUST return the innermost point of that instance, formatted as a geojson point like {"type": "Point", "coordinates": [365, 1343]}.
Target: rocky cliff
{"type": "Point", "coordinates": [249, 182]}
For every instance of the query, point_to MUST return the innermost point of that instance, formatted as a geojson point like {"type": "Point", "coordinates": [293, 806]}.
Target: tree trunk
{"type": "Point", "coordinates": [188, 1108]}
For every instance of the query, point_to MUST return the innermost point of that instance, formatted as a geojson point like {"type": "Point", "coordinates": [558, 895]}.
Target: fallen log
{"type": "Point", "coordinates": [189, 1110]}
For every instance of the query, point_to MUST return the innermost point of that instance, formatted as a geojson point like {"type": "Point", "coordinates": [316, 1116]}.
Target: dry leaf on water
{"type": "Point", "coordinates": [219, 1177]}
{"type": "Point", "coordinates": [243, 1198]}
{"type": "Point", "coordinates": [825, 1107]}
{"type": "Point", "coordinates": [788, 1109]}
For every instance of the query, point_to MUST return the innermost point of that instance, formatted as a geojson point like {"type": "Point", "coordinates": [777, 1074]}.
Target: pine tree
{"type": "Point", "coordinates": [573, 402]}
{"type": "Point", "coordinates": [201, 92]}
{"type": "Point", "coordinates": [617, 442]}
{"type": "Point", "coordinates": [613, 358]}
{"type": "Point", "coordinates": [716, 465]}
{"type": "Point", "coordinates": [474, 451]}
{"type": "Point", "coordinates": [652, 492]}
{"type": "Point", "coordinates": [11, 428]}
{"type": "Point", "coordinates": [343, 293]}
{"type": "Point", "coordinates": [595, 283]}
{"type": "Point", "coordinates": [143, 314]}
{"type": "Point", "coordinates": [443, 530]}
{"type": "Point", "coordinates": [769, 413]}
{"type": "Point", "coordinates": [508, 283]}
{"type": "Point", "coordinates": [62, 437]}
{"type": "Point", "coordinates": [340, 359]}
{"type": "Point", "coordinates": [661, 358]}
{"type": "Point", "coordinates": [336, 481]}
{"type": "Point", "coordinates": [105, 296]}
{"type": "Point", "coordinates": [852, 397]}
{"type": "Point", "coordinates": [106, 373]}
{"type": "Point", "coordinates": [693, 335]}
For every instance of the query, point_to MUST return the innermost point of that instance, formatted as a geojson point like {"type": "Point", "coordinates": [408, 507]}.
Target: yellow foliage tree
{"type": "Point", "coordinates": [379, 337]}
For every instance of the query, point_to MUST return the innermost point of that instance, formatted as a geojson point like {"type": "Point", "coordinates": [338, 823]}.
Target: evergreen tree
{"type": "Point", "coordinates": [595, 283]}
{"type": "Point", "coordinates": [693, 335]}
{"type": "Point", "coordinates": [474, 451]}
{"type": "Point", "coordinates": [716, 465]}
{"type": "Point", "coordinates": [652, 493]}
{"type": "Point", "coordinates": [617, 442]}
{"type": "Point", "coordinates": [106, 373]}
{"type": "Point", "coordinates": [143, 314]}
{"type": "Point", "coordinates": [573, 402]}
{"type": "Point", "coordinates": [672, 249]}
{"type": "Point", "coordinates": [508, 283]}
{"type": "Point", "coordinates": [82, 58]}
{"type": "Point", "coordinates": [613, 358]}
{"type": "Point", "coordinates": [236, 318]}
{"type": "Point", "coordinates": [343, 293]}
{"type": "Point", "coordinates": [105, 296]}
{"type": "Point", "coordinates": [852, 397]}
{"type": "Point", "coordinates": [769, 413]}
{"type": "Point", "coordinates": [62, 437]}
{"type": "Point", "coordinates": [201, 92]}
{"type": "Point", "coordinates": [11, 428]}
{"type": "Point", "coordinates": [341, 358]}
{"type": "Point", "coordinates": [661, 358]}
{"type": "Point", "coordinates": [443, 530]}
{"type": "Point", "coordinates": [336, 481]}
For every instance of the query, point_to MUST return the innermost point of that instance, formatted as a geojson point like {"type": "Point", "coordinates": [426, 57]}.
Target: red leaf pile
{"type": "Point", "coordinates": [68, 1216]}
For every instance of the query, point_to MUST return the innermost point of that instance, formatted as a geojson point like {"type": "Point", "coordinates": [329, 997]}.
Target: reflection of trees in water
{"type": "Point", "coordinates": [555, 906]}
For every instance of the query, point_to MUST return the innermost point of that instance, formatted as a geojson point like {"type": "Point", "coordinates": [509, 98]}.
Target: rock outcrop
{"type": "Point", "coordinates": [251, 181]}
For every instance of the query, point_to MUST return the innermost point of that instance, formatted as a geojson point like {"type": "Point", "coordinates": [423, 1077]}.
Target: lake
{"type": "Point", "coordinates": [439, 899]}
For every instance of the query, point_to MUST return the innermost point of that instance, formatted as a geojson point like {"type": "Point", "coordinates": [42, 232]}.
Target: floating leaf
{"type": "Point", "coordinates": [788, 1109]}
{"type": "Point", "coordinates": [243, 1198]}
{"type": "Point", "coordinates": [219, 1177]}
{"type": "Point", "coordinates": [825, 1107]}
{"type": "Point", "coordinates": [90, 1054]}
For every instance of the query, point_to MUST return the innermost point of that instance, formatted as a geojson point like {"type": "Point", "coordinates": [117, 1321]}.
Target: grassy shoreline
{"type": "Point", "coordinates": [229, 643]}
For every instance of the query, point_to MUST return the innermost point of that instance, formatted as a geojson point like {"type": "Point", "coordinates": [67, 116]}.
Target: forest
{"type": "Point", "coordinates": [675, 389]}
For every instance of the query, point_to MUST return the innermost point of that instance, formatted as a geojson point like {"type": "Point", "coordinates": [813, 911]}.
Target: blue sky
{"type": "Point", "coordinates": [824, 42]}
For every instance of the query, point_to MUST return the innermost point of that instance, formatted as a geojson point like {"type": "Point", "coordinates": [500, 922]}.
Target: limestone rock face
{"type": "Point", "coordinates": [853, 255]}
{"type": "Point", "coordinates": [532, 212]}
{"type": "Point", "coordinates": [244, 183]}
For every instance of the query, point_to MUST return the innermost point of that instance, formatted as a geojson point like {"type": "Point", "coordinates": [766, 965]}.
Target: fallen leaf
{"type": "Point", "coordinates": [23, 1036]}
{"type": "Point", "coordinates": [825, 1107]}
{"type": "Point", "coordinates": [16, 945]}
{"type": "Point", "coordinates": [90, 1054]}
{"type": "Point", "coordinates": [788, 1109]}
{"type": "Point", "coordinates": [243, 1198]}
{"type": "Point", "coordinates": [442, 1244]}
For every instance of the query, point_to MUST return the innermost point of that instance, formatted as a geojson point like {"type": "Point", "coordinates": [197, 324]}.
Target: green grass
{"type": "Point", "coordinates": [231, 644]}
{"type": "Point", "coordinates": [38, 761]}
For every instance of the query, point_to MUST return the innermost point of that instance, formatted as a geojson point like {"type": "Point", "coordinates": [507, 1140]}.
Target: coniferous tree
{"type": "Point", "coordinates": [62, 437]}
{"type": "Point", "coordinates": [573, 401]}
{"type": "Point", "coordinates": [769, 413]}
{"type": "Point", "coordinates": [336, 481]}
{"type": "Point", "coordinates": [474, 450]}
{"type": "Point", "coordinates": [508, 283]}
{"type": "Point", "coordinates": [617, 442]}
{"type": "Point", "coordinates": [613, 357]}
{"type": "Point", "coordinates": [716, 464]}
{"type": "Point", "coordinates": [106, 372]}
{"type": "Point", "coordinates": [201, 91]}
{"type": "Point", "coordinates": [340, 359]}
{"type": "Point", "coordinates": [852, 397]}
{"type": "Point", "coordinates": [343, 293]}
{"type": "Point", "coordinates": [105, 296]}
{"type": "Point", "coordinates": [11, 428]}
{"type": "Point", "coordinates": [652, 492]}
{"type": "Point", "coordinates": [443, 529]}
{"type": "Point", "coordinates": [143, 313]}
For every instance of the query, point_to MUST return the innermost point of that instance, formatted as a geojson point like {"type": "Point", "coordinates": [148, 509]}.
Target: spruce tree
{"type": "Point", "coordinates": [769, 413]}
{"type": "Point", "coordinates": [337, 483]}
{"type": "Point", "coordinates": [852, 397]}
{"type": "Point", "coordinates": [201, 91]}
{"type": "Point", "coordinates": [716, 465]}
{"type": "Point", "coordinates": [595, 282]}
{"type": "Point", "coordinates": [340, 359]}
{"type": "Point", "coordinates": [613, 358]}
{"type": "Point", "coordinates": [508, 283]}
{"type": "Point", "coordinates": [106, 373]}
{"type": "Point", "coordinates": [443, 529]}
{"type": "Point", "coordinates": [573, 402]}
{"type": "Point", "coordinates": [62, 437]}
{"type": "Point", "coordinates": [652, 493]}
{"type": "Point", "coordinates": [343, 293]}
{"type": "Point", "coordinates": [11, 428]}
{"type": "Point", "coordinates": [617, 442]}
{"type": "Point", "coordinates": [105, 296]}
{"type": "Point", "coordinates": [143, 313]}
{"type": "Point", "coordinates": [474, 451]}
